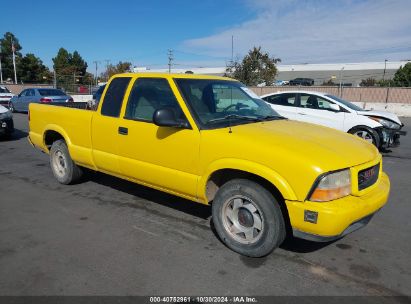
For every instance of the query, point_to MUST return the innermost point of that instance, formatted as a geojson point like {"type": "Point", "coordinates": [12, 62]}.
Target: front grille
{"type": "Point", "coordinates": [368, 177]}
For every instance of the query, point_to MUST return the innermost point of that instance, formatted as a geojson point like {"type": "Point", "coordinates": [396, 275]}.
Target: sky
{"type": "Point", "coordinates": [199, 32]}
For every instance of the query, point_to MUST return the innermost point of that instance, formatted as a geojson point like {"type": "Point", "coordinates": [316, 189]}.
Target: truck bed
{"type": "Point", "coordinates": [74, 124]}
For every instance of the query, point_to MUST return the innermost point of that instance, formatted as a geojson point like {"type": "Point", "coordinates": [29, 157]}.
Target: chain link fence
{"type": "Point", "coordinates": [74, 84]}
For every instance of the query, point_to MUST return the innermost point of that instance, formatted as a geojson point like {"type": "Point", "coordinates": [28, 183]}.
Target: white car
{"type": "Point", "coordinates": [6, 122]}
{"type": "Point", "coordinates": [383, 129]}
{"type": "Point", "coordinates": [5, 96]}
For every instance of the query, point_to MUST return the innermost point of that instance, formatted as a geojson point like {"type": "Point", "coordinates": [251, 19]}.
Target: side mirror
{"type": "Point", "coordinates": [335, 107]}
{"type": "Point", "coordinates": [165, 117]}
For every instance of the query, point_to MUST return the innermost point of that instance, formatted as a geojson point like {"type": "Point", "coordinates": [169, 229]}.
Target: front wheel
{"type": "Point", "coordinates": [63, 167]}
{"type": "Point", "coordinates": [247, 218]}
{"type": "Point", "coordinates": [367, 134]}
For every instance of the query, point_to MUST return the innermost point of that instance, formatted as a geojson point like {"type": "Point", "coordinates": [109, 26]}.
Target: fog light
{"type": "Point", "coordinates": [310, 216]}
{"type": "Point", "coordinates": [4, 125]}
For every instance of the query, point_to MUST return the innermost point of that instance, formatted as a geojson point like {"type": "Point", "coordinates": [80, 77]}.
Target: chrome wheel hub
{"type": "Point", "coordinates": [59, 163]}
{"type": "Point", "coordinates": [364, 135]}
{"type": "Point", "coordinates": [242, 219]}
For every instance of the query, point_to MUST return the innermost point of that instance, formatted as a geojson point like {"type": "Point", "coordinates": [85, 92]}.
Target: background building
{"type": "Point", "coordinates": [347, 73]}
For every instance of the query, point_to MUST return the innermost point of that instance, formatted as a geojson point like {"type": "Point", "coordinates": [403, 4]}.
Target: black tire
{"type": "Point", "coordinates": [63, 167]}
{"type": "Point", "coordinates": [371, 134]}
{"type": "Point", "coordinates": [262, 241]}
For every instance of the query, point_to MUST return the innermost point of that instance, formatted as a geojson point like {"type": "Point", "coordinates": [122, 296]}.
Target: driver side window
{"type": "Point", "coordinates": [314, 102]}
{"type": "Point", "coordinates": [149, 95]}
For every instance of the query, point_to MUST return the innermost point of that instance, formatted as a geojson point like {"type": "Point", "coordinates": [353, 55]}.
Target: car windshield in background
{"type": "Point", "coordinates": [4, 90]}
{"type": "Point", "coordinates": [219, 103]}
{"type": "Point", "coordinates": [51, 92]}
{"type": "Point", "coordinates": [346, 103]}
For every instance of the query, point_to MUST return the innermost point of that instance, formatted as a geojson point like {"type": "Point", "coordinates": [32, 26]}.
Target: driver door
{"type": "Point", "coordinates": [165, 158]}
{"type": "Point", "coordinates": [317, 110]}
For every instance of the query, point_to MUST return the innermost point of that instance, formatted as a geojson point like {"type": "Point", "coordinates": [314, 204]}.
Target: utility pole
{"type": "Point", "coordinates": [170, 59]}
{"type": "Point", "coordinates": [55, 79]}
{"type": "Point", "coordinates": [385, 67]}
{"type": "Point", "coordinates": [96, 63]}
{"type": "Point", "coordinates": [1, 71]}
{"type": "Point", "coordinates": [341, 72]}
{"type": "Point", "coordinates": [107, 63]}
{"type": "Point", "coordinates": [232, 49]}
{"type": "Point", "coordinates": [14, 61]}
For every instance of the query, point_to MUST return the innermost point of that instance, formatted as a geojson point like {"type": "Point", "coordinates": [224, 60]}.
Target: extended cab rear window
{"type": "Point", "coordinates": [114, 97]}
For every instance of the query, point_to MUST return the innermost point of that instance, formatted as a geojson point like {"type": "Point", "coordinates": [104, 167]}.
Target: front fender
{"type": "Point", "coordinates": [247, 166]}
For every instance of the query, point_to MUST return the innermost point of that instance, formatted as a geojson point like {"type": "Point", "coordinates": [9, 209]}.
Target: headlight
{"type": "Point", "coordinates": [6, 115]}
{"type": "Point", "coordinates": [385, 122]}
{"type": "Point", "coordinates": [332, 186]}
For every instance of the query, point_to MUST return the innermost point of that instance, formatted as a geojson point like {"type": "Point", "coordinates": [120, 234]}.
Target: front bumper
{"type": "Point", "coordinates": [6, 126]}
{"type": "Point", "coordinates": [339, 217]}
{"type": "Point", "coordinates": [390, 137]}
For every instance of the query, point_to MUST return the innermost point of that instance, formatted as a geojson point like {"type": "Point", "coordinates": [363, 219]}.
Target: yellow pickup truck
{"type": "Point", "coordinates": [211, 140]}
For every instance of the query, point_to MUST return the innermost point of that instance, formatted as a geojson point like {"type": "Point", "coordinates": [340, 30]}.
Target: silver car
{"type": "Point", "coordinates": [20, 103]}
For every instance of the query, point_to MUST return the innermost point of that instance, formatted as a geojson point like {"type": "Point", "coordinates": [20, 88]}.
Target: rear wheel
{"type": "Point", "coordinates": [367, 134]}
{"type": "Point", "coordinates": [63, 167]}
{"type": "Point", "coordinates": [247, 218]}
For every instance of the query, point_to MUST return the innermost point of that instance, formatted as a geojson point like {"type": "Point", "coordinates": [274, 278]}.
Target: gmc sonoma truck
{"type": "Point", "coordinates": [213, 141]}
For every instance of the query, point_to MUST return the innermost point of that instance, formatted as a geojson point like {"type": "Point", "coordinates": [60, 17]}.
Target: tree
{"type": "Point", "coordinates": [369, 82]}
{"type": "Point", "coordinates": [402, 77]}
{"type": "Point", "coordinates": [79, 64]}
{"type": "Point", "coordinates": [71, 70]}
{"type": "Point", "coordinates": [329, 82]}
{"type": "Point", "coordinates": [62, 61]}
{"type": "Point", "coordinates": [121, 67]}
{"type": "Point", "coordinates": [67, 64]}
{"type": "Point", "coordinates": [386, 83]}
{"type": "Point", "coordinates": [255, 68]}
{"type": "Point", "coordinates": [7, 54]}
{"type": "Point", "coordinates": [31, 69]}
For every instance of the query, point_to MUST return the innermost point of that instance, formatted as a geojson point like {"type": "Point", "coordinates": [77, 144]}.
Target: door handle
{"type": "Point", "coordinates": [122, 131]}
{"type": "Point", "coordinates": [302, 113]}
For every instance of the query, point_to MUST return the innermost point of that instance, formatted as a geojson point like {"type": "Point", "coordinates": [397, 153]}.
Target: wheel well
{"type": "Point", "coordinates": [220, 177]}
{"type": "Point", "coordinates": [374, 131]}
{"type": "Point", "coordinates": [50, 137]}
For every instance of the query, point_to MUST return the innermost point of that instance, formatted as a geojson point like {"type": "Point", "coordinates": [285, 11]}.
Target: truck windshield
{"type": "Point", "coordinates": [219, 103]}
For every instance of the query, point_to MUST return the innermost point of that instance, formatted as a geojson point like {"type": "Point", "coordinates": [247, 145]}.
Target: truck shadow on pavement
{"type": "Point", "coordinates": [16, 135]}
{"type": "Point", "coordinates": [194, 209]}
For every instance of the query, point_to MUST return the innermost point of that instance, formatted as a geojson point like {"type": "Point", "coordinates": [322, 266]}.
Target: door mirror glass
{"type": "Point", "coordinates": [166, 117]}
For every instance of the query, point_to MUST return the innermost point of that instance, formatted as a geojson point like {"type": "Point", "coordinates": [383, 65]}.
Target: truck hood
{"type": "Point", "coordinates": [325, 148]}
{"type": "Point", "coordinates": [382, 114]}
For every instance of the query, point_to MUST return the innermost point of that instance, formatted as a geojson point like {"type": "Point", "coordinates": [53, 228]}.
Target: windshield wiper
{"type": "Point", "coordinates": [235, 116]}
{"type": "Point", "coordinates": [272, 117]}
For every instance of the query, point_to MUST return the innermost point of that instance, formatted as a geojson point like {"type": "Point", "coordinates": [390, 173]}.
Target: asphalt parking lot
{"type": "Point", "coordinates": [106, 236]}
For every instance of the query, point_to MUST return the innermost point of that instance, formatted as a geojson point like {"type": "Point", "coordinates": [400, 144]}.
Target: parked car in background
{"type": "Point", "coordinates": [383, 129]}
{"type": "Point", "coordinates": [6, 122]}
{"type": "Point", "coordinates": [96, 97]}
{"type": "Point", "coordinates": [281, 82]}
{"type": "Point", "coordinates": [5, 96]}
{"type": "Point", "coordinates": [302, 82]}
{"type": "Point", "coordinates": [20, 103]}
